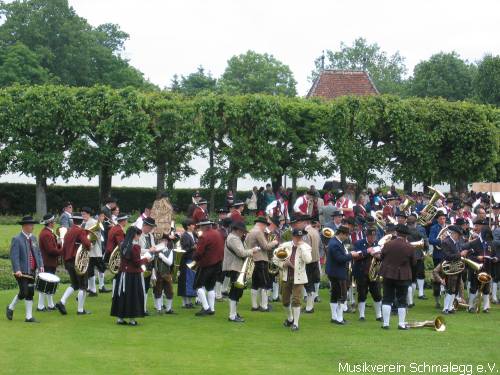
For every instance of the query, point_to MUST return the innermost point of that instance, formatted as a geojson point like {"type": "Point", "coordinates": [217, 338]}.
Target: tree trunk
{"type": "Point", "coordinates": [104, 184]}
{"type": "Point", "coordinates": [161, 171]}
{"type": "Point", "coordinates": [211, 180]}
{"type": "Point", "coordinates": [343, 183]}
{"type": "Point", "coordinates": [408, 186]}
{"type": "Point", "coordinates": [41, 196]}
{"type": "Point", "coordinates": [277, 182]}
{"type": "Point", "coordinates": [232, 178]}
{"type": "Point", "coordinates": [453, 186]}
{"type": "Point", "coordinates": [426, 186]}
{"type": "Point", "coordinates": [462, 186]}
{"type": "Point", "coordinates": [294, 189]}
{"type": "Point", "coordinates": [170, 181]}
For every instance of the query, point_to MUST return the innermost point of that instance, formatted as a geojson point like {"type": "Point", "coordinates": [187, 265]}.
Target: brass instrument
{"type": "Point", "coordinates": [430, 211]}
{"type": "Point", "coordinates": [459, 305]}
{"type": "Point", "coordinates": [283, 252]}
{"type": "Point", "coordinates": [115, 260]}
{"type": "Point", "coordinates": [418, 245]}
{"type": "Point", "coordinates": [438, 324]}
{"type": "Point", "coordinates": [376, 263]}
{"type": "Point", "coordinates": [82, 257]}
{"type": "Point", "coordinates": [192, 265]}
{"type": "Point", "coordinates": [407, 204]}
{"type": "Point", "coordinates": [245, 273]}
{"type": "Point", "coordinates": [379, 219]}
{"type": "Point", "coordinates": [328, 232]}
{"type": "Point", "coordinates": [443, 233]}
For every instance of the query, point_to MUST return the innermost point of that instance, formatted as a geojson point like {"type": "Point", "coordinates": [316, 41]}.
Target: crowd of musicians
{"type": "Point", "coordinates": [376, 245]}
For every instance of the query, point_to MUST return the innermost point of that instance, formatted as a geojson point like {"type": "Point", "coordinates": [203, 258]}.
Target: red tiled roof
{"type": "Point", "coordinates": [334, 83]}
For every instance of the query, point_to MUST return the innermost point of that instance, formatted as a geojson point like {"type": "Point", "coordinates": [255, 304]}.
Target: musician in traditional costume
{"type": "Point", "coordinates": [437, 255]}
{"type": "Point", "coordinates": [145, 213]}
{"type": "Point", "coordinates": [260, 277]}
{"type": "Point", "coordinates": [344, 204]}
{"type": "Point", "coordinates": [234, 258]}
{"type": "Point", "coordinates": [208, 256]}
{"type": "Point", "coordinates": [195, 199]}
{"type": "Point", "coordinates": [128, 294]}
{"type": "Point", "coordinates": [185, 281]}
{"type": "Point", "coordinates": [305, 204]}
{"type": "Point", "coordinates": [398, 256]}
{"type": "Point", "coordinates": [278, 208]}
{"type": "Point", "coordinates": [336, 220]}
{"type": "Point", "coordinates": [147, 245]}
{"type": "Point", "coordinates": [236, 213]}
{"type": "Point", "coordinates": [107, 210]}
{"type": "Point", "coordinates": [25, 258]}
{"type": "Point", "coordinates": [200, 212]}
{"type": "Point", "coordinates": [75, 237]}
{"type": "Point", "coordinates": [162, 270]}
{"type": "Point", "coordinates": [417, 233]}
{"type": "Point", "coordinates": [51, 250]}
{"type": "Point", "coordinates": [294, 277]}
{"type": "Point", "coordinates": [313, 239]}
{"type": "Point", "coordinates": [360, 272]}
{"type": "Point", "coordinates": [65, 219]}
{"type": "Point", "coordinates": [389, 209]}
{"type": "Point", "coordinates": [337, 264]}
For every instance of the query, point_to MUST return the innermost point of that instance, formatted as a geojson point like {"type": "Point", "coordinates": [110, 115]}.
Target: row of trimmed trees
{"type": "Point", "coordinates": [56, 131]}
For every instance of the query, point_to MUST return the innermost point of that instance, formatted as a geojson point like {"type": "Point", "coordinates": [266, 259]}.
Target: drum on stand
{"type": "Point", "coordinates": [46, 283]}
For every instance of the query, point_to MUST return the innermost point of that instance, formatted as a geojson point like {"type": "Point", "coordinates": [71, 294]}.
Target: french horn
{"type": "Point", "coordinates": [115, 261]}
{"type": "Point", "coordinates": [82, 257]}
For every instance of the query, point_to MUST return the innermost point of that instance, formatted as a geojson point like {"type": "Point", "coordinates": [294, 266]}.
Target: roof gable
{"type": "Point", "coordinates": [331, 84]}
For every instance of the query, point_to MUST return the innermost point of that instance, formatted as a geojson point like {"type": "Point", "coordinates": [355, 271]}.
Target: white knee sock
{"type": "Point", "coordinates": [225, 284]}
{"type": "Point", "coordinates": [494, 292]}
{"type": "Point", "coordinates": [202, 297]}
{"type": "Point", "coordinates": [486, 302]}
{"type": "Point", "coordinates": [158, 304]}
{"type": "Point", "coordinates": [232, 309]}
{"type": "Point", "coordinates": [340, 313]}
{"type": "Point", "coordinates": [316, 289]}
{"type": "Point", "coordinates": [333, 308]}
{"type": "Point", "coordinates": [100, 276]}
{"type": "Point", "coordinates": [402, 316]}
{"type": "Point", "coordinates": [386, 314]}
{"type": "Point", "coordinates": [218, 290]}
{"type": "Point", "coordinates": [350, 294]}
{"type": "Point", "coordinates": [361, 307]}
{"type": "Point", "coordinates": [253, 296]}
{"type": "Point", "coordinates": [344, 306]}
{"type": "Point", "coordinates": [211, 300]}
{"type": "Point", "coordinates": [81, 300]}
{"type": "Point", "coordinates": [276, 291]}
{"type": "Point", "coordinates": [29, 309]}
{"type": "Point", "coordinates": [448, 302]}
{"type": "Point", "coordinates": [263, 298]}
{"type": "Point", "coordinates": [289, 312]}
{"type": "Point", "coordinates": [14, 302]}
{"type": "Point", "coordinates": [50, 300]}
{"type": "Point", "coordinates": [169, 304]}
{"type": "Point", "coordinates": [310, 302]}
{"type": "Point", "coordinates": [67, 293]}
{"type": "Point", "coordinates": [41, 300]}
{"type": "Point", "coordinates": [145, 300]}
{"type": "Point", "coordinates": [91, 284]}
{"type": "Point", "coordinates": [378, 309]}
{"type": "Point", "coordinates": [413, 288]}
{"type": "Point", "coordinates": [472, 298]}
{"type": "Point", "coordinates": [409, 296]}
{"type": "Point", "coordinates": [420, 284]}
{"type": "Point", "coordinates": [296, 315]}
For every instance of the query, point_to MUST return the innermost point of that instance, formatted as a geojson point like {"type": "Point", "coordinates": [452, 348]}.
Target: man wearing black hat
{"type": "Point", "coordinates": [313, 239]}
{"type": "Point", "coordinates": [260, 277]}
{"type": "Point", "coordinates": [75, 237]}
{"type": "Point", "coordinates": [417, 233]}
{"type": "Point", "coordinates": [437, 255]}
{"type": "Point", "coordinates": [195, 199]}
{"type": "Point", "coordinates": [337, 263]}
{"type": "Point", "coordinates": [208, 256]}
{"type": "Point", "coordinates": [274, 230]}
{"type": "Point", "coordinates": [236, 211]}
{"type": "Point", "coordinates": [397, 258]}
{"type": "Point", "coordinates": [26, 258]}
{"type": "Point", "coordinates": [200, 213]}
{"type": "Point", "coordinates": [116, 234]}
{"type": "Point", "coordinates": [147, 244]}
{"type": "Point", "coordinates": [109, 206]}
{"type": "Point", "coordinates": [451, 253]}
{"type": "Point", "coordinates": [51, 250]}
{"type": "Point", "coordinates": [235, 255]}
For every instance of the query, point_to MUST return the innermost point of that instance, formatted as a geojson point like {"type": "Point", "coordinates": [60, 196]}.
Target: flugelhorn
{"type": "Point", "coordinates": [438, 324]}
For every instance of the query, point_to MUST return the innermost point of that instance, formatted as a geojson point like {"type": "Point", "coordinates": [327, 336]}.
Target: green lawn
{"type": "Point", "coordinates": [185, 344]}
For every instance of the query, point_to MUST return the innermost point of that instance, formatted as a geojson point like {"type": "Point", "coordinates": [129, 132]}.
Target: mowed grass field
{"type": "Point", "coordinates": [185, 344]}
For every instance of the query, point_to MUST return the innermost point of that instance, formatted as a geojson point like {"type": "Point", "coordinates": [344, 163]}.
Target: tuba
{"type": "Point", "coordinates": [407, 204]}
{"type": "Point", "coordinates": [430, 211]}
{"type": "Point", "coordinates": [82, 257]}
{"type": "Point", "coordinates": [114, 261]}
{"type": "Point", "coordinates": [438, 324]}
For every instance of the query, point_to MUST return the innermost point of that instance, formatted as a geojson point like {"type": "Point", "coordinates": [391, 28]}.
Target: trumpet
{"type": "Point", "coordinates": [438, 324]}
{"type": "Point", "coordinates": [430, 211]}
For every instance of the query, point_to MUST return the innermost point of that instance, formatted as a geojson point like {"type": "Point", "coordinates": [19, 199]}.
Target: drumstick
{"type": "Point", "coordinates": [25, 276]}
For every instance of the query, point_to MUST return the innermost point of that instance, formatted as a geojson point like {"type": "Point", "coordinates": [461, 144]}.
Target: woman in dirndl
{"type": "Point", "coordinates": [186, 275]}
{"type": "Point", "coordinates": [128, 290]}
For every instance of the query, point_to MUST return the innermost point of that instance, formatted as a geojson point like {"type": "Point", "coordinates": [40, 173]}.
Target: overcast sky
{"type": "Point", "coordinates": [174, 37]}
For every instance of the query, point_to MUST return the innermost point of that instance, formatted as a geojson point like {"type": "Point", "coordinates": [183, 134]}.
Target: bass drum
{"type": "Point", "coordinates": [47, 283]}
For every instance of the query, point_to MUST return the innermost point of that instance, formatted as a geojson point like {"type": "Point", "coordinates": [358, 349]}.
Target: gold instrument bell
{"type": "Point", "coordinates": [438, 324]}
{"type": "Point", "coordinates": [328, 232]}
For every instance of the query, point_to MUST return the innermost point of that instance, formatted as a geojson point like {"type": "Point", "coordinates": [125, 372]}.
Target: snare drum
{"type": "Point", "coordinates": [46, 283]}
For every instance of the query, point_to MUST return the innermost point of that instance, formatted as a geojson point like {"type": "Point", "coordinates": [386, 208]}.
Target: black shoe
{"type": "Point", "coordinates": [203, 312]}
{"type": "Point", "coordinates": [362, 319]}
{"type": "Point", "coordinates": [343, 322]}
{"type": "Point", "coordinates": [261, 309]}
{"type": "Point", "coordinates": [225, 294]}
{"type": "Point", "coordinates": [317, 299]}
{"type": "Point", "coordinates": [446, 312]}
{"type": "Point", "coordinates": [309, 311]}
{"type": "Point", "coordinates": [405, 328]}
{"type": "Point", "coordinates": [170, 312]}
{"type": "Point", "coordinates": [91, 294]}
{"type": "Point", "coordinates": [378, 319]}
{"type": "Point", "coordinates": [146, 313]}
{"type": "Point", "coordinates": [411, 305]}
{"type": "Point", "coordinates": [255, 309]}
{"type": "Point", "coordinates": [104, 290]}
{"type": "Point", "coordinates": [31, 320]}
{"type": "Point", "coordinates": [384, 327]}
{"type": "Point", "coordinates": [295, 328]}
{"type": "Point", "coordinates": [471, 310]}
{"type": "Point", "coordinates": [133, 323]}
{"type": "Point", "coordinates": [9, 313]}
{"type": "Point", "coordinates": [287, 323]}
{"type": "Point", "coordinates": [53, 308]}
{"type": "Point", "coordinates": [210, 312]}
{"type": "Point", "coordinates": [237, 319]}
{"type": "Point", "coordinates": [122, 323]}
{"type": "Point", "coordinates": [42, 309]}
{"type": "Point", "coordinates": [276, 300]}
{"type": "Point", "coordinates": [62, 309]}
{"type": "Point", "coordinates": [84, 312]}
{"type": "Point", "coordinates": [486, 311]}
{"type": "Point", "coordinates": [451, 311]}
{"type": "Point", "coordinates": [422, 297]}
